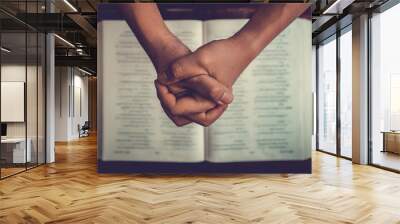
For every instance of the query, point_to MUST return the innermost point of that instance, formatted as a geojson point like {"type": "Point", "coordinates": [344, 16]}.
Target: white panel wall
{"type": "Point", "coordinates": [33, 127]}
{"type": "Point", "coordinates": [62, 81]}
{"type": "Point", "coordinates": [70, 83]}
{"type": "Point", "coordinates": [16, 73]}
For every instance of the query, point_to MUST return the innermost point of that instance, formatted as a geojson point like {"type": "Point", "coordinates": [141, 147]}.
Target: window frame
{"type": "Point", "coordinates": [334, 37]}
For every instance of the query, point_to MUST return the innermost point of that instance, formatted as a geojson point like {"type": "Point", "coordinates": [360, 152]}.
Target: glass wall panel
{"type": "Point", "coordinates": [32, 85]}
{"type": "Point", "coordinates": [32, 96]}
{"type": "Point", "coordinates": [346, 94]}
{"type": "Point", "coordinates": [385, 87]}
{"type": "Point", "coordinates": [41, 79]}
{"type": "Point", "coordinates": [22, 77]}
{"type": "Point", "coordinates": [327, 96]}
{"type": "Point", "coordinates": [14, 153]}
{"type": "Point", "coordinates": [314, 87]}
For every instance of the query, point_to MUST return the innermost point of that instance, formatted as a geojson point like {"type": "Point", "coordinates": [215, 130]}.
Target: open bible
{"type": "Point", "coordinates": [269, 119]}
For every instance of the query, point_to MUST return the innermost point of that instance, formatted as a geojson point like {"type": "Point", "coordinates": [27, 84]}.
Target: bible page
{"type": "Point", "coordinates": [270, 117]}
{"type": "Point", "coordinates": [134, 126]}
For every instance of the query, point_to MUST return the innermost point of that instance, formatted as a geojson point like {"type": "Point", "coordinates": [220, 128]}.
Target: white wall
{"type": "Point", "coordinates": [10, 73]}
{"type": "Point", "coordinates": [13, 101]}
{"type": "Point", "coordinates": [13, 72]}
{"type": "Point", "coordinates": [62, 81]}
{"type": "Point", "coordinates": [70, 83]}
{"type": "Point", "coordinates": [79, 117]}
{"type": "Point", "coordinates": [16, 73]}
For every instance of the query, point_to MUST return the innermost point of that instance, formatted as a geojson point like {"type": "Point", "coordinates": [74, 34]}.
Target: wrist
{"type": "Point", "coordinates": [159, 48]}
{"type": "Point", "coordinates": [244, 51]}
{"type": "Point", "coordinates": [247, 42]}
{"type": "Point", "coordinates": [157, 43]}
{"type": "Point", "coordinates": [168, 49]}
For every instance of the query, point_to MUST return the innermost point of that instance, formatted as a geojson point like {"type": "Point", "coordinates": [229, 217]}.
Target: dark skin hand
{"type": "Point", "coordinates": [183, 110]}
{"type": "Point", "coordinates": [226, 59]}
{"type": "Point", "coordinates": [205, 101]}
{"type": "Point", "coordinates": [197, 86]}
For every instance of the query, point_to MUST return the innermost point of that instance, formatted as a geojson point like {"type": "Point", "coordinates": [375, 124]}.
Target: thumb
{"type": "Point", "coordinates": [183, 68]}
{"type": "Point", "coordinates": [210, 88]}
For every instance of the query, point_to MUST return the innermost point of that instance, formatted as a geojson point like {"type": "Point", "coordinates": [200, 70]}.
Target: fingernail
{"type": "Point", "coordinates": [226, 98]}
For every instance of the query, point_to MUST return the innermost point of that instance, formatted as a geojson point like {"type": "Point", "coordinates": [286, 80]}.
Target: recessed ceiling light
{"type": "Point", "coordinates": [337, 7]}
{"type": "Point", "coordinates": [5, 50]}
{"type": "Point", "coordinates": [84, 71]}
{"type": "Point", "coordinates": [70, 5]}
{"type": "Point", "coordinates": [65, 41]}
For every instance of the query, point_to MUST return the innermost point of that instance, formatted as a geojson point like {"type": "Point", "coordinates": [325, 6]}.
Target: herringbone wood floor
{"type": "Point", "coordinates": [70, 191]}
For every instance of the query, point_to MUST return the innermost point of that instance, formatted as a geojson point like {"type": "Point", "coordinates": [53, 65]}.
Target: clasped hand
{"type": "Point", "coordinates": [197, 86]}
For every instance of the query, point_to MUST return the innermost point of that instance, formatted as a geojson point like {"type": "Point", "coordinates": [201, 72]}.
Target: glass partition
{"type": "Point", "coordinates": [32, 96]}
{"type": "Point", "coordinates": [22, 78]}
{"type": "Point", "coordinates": [14, 153]}
{"type": "Point", "coordinates": [41, 111]}
{"type": "Point", "coordinates": [327, 96]}
{"type": "Point", "coordinates": [346, 93]}
{"type": "Point", "coordinates": [385, 89]}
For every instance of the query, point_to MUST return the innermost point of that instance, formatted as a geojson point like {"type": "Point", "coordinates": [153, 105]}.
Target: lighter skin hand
{"type": "Point", "coordinates": [164, 48]}
{"type": "Point", "coordinates": [226, 59]}
{"type": "Point", "coordinates": [189, 104]}
{"type": "Point", "coordinates": [219, 59]}
{"type": "Point", "coordinates": [211, 70]}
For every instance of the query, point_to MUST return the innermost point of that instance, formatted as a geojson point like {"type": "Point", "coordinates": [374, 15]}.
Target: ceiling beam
{"type": "Point", "coordinates": [86, 26]}
{"type": "Point", "coordinates": [82, 61]}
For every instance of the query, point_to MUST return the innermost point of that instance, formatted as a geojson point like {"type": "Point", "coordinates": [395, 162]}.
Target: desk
{"type": "Point", "coordinates": [13, 150]}
{"type": "Point", "coordinates": [391, 141]}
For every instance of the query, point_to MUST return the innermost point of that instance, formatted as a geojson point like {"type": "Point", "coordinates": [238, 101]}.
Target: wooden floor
{"type": "Point", "coordinates": [70, 191]}
{"type": "Point", "coordinates": [5, 172]}
{"type": "Point", "coordinates": [386, 159]}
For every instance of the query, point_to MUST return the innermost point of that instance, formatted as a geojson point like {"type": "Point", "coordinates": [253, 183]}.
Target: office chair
{"type": "Point", "coordinates": [84, 130]}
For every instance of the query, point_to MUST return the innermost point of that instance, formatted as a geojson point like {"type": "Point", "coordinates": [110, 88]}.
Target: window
{"type": "Point", "coordinates": [346, 93]}
{"type": "Point", "coordinates": [327, 96]}
{"type": "Point", "coordinates": [314, 87]}
{"type": "Point", "coordinates": [394, 102]}
{"type": "Point", "coordinates": [385, 89]}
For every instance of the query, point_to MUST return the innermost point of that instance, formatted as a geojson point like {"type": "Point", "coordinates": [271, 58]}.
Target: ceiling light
{"type": "Point", "coordinates": [337, 7]}
{"type": "Point", "coordinates": [5, 50]}
{"type": "Point", "coordinates": [70, 5]}
{"type": "Point", "coordinates": [65, 41]}
{"type": "Point", "coordinates": [84, 71]}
